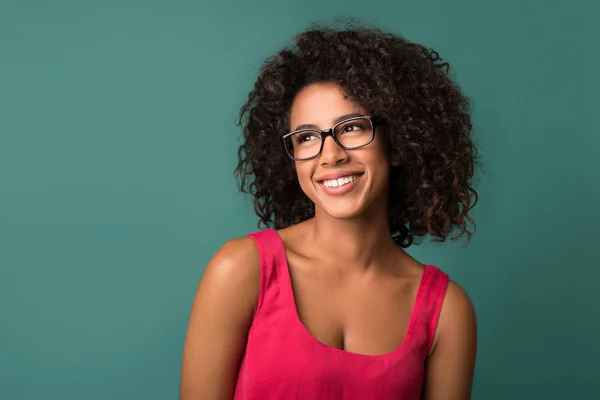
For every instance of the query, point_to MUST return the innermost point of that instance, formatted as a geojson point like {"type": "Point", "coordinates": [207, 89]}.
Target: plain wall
{"type": "Point", "coordinates": [117, 145]}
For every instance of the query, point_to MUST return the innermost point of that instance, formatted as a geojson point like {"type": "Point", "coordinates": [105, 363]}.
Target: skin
{"type": "Point", "coordinates": [343, 264]}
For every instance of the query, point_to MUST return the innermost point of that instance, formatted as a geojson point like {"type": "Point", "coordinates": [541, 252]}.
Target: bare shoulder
{"type": "Point", "coordinates": [458, 303]}
{"type": "Point", "coordinates": [234, 267]}
{"type": "Point", "coordinates": [222, 311]}
{"type": "Point", "coordinates": [457, 317]}
{"type": "Point", "coordinates": [451, 362]}
{"type": "Point", "coordinates": [237, 258]}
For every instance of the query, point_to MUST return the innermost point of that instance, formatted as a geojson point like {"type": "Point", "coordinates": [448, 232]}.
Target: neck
{"type": "Point", "coordinates": [356, 243]}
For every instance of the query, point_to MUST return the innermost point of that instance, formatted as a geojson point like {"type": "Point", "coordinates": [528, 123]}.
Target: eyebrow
{"type": "Point", "coordinates": [335, 121]}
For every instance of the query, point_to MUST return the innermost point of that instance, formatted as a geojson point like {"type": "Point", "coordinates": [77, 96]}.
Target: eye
{"type": "Point", "coordinates": [305, 137]}
{"type": "Point", "coordinates": [353, 126]}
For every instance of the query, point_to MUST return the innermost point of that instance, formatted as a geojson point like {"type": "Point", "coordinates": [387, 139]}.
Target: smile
{"type": "Point", "coordinates": [344, 180]}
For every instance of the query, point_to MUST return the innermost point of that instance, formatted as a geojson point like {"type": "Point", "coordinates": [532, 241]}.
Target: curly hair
{"type": "Point", "coordinates": [428, 128]}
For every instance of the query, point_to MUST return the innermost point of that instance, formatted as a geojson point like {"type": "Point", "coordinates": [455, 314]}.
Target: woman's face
{"type": "Point", "coordinates": [364, 172]}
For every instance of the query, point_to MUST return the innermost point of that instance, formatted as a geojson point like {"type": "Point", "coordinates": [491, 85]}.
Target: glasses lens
{"type": "Point", "coordinates": [354, 133]}
{"type": "Point", "coordinates": [304, 144]}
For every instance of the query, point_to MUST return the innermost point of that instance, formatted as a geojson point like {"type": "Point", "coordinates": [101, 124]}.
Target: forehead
{"type": "Point", "coordinates": [321, 104]}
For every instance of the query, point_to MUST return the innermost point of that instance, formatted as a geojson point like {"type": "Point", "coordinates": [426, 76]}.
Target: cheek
{"type": "Point", "coordinates": [304, 173]}
{"type": "Point", "coordinates": [379, 163]}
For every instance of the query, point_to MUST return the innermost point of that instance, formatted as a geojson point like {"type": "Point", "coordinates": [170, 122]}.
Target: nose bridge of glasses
{"type": "Point", "coordinates": [327, 132]}
{"type": "Point", "coordinates": [328, 139]}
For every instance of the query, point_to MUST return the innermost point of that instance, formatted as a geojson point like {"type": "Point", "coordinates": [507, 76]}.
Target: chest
{"type": "Point", "coordinates": [359, 313]}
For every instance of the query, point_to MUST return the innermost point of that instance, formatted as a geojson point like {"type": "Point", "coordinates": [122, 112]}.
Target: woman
{"type": "Point", "coordinates": [356, 143]}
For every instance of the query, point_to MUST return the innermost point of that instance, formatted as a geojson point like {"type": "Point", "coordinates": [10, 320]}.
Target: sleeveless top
{"type": "Point", "coordinates": [283, 360]}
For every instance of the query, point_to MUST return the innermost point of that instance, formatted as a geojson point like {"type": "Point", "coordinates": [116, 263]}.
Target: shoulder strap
{"type": "Point", "coordinates": [273, 265]}
{"type": "Point", "coordinates": [432, 292]}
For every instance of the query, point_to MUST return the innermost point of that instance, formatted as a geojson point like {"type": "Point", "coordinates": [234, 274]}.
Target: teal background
{"type": "Point", "coordinates": [117, 145]}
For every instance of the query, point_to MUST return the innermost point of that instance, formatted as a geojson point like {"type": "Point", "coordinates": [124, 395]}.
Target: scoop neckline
{"type": "Point", "coordinates": [290, 292]}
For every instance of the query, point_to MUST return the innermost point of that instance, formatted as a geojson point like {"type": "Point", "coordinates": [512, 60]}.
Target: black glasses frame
{"type": "Point", "coordinates": [329, 132]}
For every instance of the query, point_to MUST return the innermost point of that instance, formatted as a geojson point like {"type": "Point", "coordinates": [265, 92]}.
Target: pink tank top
{"type": "Point", "coordinates": [284, 361]}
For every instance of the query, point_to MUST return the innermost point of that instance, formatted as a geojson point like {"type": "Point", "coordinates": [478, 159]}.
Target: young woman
{"type": "Point", "coordinates": [356, 144]}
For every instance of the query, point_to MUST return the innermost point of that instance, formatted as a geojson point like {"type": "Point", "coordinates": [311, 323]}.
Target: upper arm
{"type": "Point", "coordinates": [218, 326]}
{"type": "Point", "coordinates": [451, 364]}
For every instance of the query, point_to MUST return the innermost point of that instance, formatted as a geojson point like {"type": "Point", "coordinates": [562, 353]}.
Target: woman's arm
{"type": "Point", "coordinates": [221, 314]}
{"type": "Point", "coordinates": [451, 364]}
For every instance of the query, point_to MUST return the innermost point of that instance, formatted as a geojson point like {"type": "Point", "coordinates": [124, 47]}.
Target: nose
{"type": "Point", "coordinates": [332, 154]}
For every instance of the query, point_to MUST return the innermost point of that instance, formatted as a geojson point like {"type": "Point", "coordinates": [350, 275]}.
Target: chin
{"type": "Point", "coordinates": [343, 210]}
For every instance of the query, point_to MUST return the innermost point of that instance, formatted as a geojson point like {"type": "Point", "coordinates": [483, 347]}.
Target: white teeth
{"type": "Point", "coordinates": [340, 181]}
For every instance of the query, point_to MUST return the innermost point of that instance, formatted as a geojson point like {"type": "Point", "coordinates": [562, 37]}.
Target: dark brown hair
{"type": "Point", "coordinates": [427, 118]}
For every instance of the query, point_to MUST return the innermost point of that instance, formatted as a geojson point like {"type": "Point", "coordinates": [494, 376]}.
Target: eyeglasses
{"type": "Point", "coordinates": [350, 134]}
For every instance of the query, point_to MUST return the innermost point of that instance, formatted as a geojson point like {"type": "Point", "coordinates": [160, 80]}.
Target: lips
{"type": "Point", "coordinates": [339, 183]}
{"type": "Point", "coordinates": [339, 174]}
